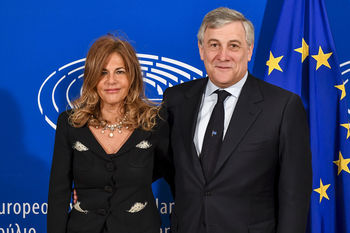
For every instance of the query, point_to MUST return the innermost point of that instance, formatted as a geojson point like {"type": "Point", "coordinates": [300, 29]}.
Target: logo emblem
{"type": "Point", "coordinates": [63, 85]}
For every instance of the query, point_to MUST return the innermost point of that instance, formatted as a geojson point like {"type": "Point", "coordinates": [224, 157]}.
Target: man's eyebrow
{"type": "Point", "coordinates": [231, 41]}
{"type": "Point", "coordinates": [235, 41]}
{"type": "Point", "coordinates": [213, 40]}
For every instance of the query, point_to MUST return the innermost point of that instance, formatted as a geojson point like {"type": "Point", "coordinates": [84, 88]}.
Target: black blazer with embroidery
{"type": "Point", "coordinates": [114, 191]}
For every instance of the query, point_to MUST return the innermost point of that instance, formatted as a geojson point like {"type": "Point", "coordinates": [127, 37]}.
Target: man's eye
{"type": "Point", "coordinates": [235, 46]}
{"type": "Point", "coordinates": [214, 45]}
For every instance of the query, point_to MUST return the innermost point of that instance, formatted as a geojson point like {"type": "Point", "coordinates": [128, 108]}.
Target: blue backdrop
{"type": "Point", "coordinates": [43, 45]}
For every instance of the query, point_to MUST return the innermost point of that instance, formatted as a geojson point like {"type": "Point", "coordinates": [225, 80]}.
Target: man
{"type": "Point", "coordinates": [241, 155]}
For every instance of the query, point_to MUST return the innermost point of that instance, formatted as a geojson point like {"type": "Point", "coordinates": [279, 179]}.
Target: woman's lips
{"type": "Point", "coordinates": [112, 90]}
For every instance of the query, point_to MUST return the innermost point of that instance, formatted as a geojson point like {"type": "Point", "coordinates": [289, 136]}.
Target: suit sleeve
{"type": "Point", "coordinates": [295, 174]}
{"type": "Point", "coordinates": [60, 186]}
{"type": "Point", "coordinates": [163, 160]}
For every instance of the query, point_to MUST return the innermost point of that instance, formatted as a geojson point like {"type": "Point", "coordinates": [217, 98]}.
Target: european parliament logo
{"type": "Point", "coordinates": [63, 85]}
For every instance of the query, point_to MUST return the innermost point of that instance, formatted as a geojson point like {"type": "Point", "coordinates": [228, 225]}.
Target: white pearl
{"type": "Point", "coordinates": [111, 135]}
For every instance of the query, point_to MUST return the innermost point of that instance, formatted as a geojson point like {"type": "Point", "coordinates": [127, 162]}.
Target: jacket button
{"type": "Point", "coordinates": [102, 212]}
{"type": "Point", "coordinates": [108, 189]}
{"type": "Point", "coordinates": [207, 194]}
{"type": "Point", "coordinates": [110, 167]}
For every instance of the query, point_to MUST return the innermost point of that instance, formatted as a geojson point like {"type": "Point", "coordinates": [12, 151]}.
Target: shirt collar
{"type": "Point", "coordinates": [234, 90]}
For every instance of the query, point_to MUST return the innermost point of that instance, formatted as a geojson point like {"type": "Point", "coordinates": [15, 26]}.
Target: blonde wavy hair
{"type": "Point", "coordinates": [86, 109]}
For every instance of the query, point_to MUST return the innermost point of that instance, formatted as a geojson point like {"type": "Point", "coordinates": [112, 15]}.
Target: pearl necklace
{"type": "Point", "coordinates": [112, 127]}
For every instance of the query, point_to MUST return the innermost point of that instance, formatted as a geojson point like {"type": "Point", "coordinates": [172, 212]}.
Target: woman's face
{"type": "Point", "coordinates": [114, 84]}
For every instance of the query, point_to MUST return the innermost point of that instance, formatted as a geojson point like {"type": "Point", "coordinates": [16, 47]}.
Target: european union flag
{"type": "Point", "coordinates": [302, 59]}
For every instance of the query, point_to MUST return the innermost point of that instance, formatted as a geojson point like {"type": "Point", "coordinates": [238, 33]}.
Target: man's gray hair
{"type": "Point", "coordinates": [223, 15]}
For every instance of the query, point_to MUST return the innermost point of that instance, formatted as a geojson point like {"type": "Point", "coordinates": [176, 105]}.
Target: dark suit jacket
{"type": "Point", "coordinates": [262, 180]}
{"type": "Point", "coordinates": [108, 186]}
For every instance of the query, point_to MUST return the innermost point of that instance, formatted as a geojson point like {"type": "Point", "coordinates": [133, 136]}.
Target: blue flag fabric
{"type": "Point", "coordinates": [302, 59]}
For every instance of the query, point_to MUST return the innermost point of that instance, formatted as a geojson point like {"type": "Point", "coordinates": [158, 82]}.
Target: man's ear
{"type": "Point", "coordinates": [250, 51]}
{"type": "Point", "coordinates": [200, 47]}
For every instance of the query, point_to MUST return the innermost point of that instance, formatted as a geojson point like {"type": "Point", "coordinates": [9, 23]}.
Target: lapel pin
{"type": "Point", "coordinates": [213, 133]}
{"type": "Point", "coordinates": [80, 146]}
{"type": "Point", "coordinates": [144, 144]}
{"type": "Point", "coordinates": [78, 208]}
{"type": "Point", "coordinates": [137, 207]}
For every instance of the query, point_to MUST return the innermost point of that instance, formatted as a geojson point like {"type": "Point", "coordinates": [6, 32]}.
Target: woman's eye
{"type": "Point", "coordinates": [120, 72]}
{"type": "Point", "coordinates": [104, 73]}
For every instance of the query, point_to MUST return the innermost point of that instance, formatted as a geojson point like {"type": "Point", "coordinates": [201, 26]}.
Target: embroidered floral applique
{"type": "Point", "coordinates": [80, 146]}
{"type": "Point", "coordinates": [137, 207]}
{"type": "Point", "coordinates": [144, 145]}
{"type": "Point", "coordinates": [78, 208]}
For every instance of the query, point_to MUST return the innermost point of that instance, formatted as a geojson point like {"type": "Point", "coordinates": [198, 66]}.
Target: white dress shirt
{"type": "Point", "coordinates": [209, 100]}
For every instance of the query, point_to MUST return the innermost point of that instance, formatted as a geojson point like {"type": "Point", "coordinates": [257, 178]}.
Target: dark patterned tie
{"type": "Point", "coordinates": [213, 135]}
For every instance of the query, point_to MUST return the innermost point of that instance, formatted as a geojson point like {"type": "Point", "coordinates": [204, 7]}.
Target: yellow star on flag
{"type": "Point", "coordinates": [342, 88]}
{"type": "Point", "coordinates": [322, 59]}
{"type": "Point", "coordinates": [304, 50]}
{"type": "Point", "coordinates": [346, 126]}
{"type": "Point", "coordinates": [272, 63]}
{"type": "Point", "coordinates": [342, 164]}
{"type": "Point", "coordinates": [322, 190]}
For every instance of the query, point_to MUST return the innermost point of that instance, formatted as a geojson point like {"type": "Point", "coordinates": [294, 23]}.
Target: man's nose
{"type": "Point", "coordinates": [222, 54]}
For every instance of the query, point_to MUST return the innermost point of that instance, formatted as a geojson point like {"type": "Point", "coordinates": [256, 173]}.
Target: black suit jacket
{"type": "Point", "coordinates": [108, 186]}
{"type": "Point", "coordinates": [263, 177]}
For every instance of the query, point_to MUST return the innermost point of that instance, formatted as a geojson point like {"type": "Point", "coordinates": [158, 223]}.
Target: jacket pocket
{"type": "Point", "coordinates": [141, 213]}
{"type": "Point", "coordinates": [141, 157]}
{"type": "Point", "coordinates": [83, 223]}
{"type": "Point", "coordinates": [258, 145]}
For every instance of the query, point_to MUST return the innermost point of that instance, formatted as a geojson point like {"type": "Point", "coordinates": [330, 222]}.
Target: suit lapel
{"type": "Point", "coordinates": [136, 137]}
{"type": "Point", "coordinates": [86, 137]}
{"type": "Point", "coordinates": [244, 115]}
{"type": "Point", "coordinates": [190, 114]}
{"type": "Point", "coordinates": [194, 97]}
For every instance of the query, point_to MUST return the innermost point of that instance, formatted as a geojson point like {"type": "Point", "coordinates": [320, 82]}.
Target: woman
{"type": "Point", "coordinates": [107, 146]}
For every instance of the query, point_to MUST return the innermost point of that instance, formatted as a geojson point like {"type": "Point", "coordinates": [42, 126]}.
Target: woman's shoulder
{"type": "Point", "coordinates": [63, 118]}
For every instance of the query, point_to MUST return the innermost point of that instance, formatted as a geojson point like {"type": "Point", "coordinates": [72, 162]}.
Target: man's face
{"type": "Point", "coordinates": [225, 53]}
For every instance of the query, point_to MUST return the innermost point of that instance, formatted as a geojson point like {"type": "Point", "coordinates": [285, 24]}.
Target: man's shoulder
{"type": "Point", "coordinates": [184, 87]}
{"type": "Point", "coordinates": [271, 90]}
{"type": "Point", "coordinates": [178, 92]}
